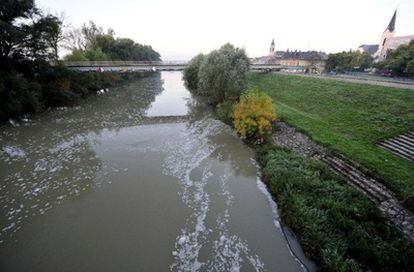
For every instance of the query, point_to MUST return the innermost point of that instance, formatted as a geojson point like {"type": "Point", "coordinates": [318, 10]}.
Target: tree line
{"type": "Point", "coordinates": [399, 62]}
{"type": "Point", "coordinates": [348, 61]}
{"type": "Point", "coordinates": [30, 40]}
{"type": "Point", "coordinates": [90, 42]}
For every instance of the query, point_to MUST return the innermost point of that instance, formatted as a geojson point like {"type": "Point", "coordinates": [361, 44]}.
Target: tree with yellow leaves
{"type": "Point", "coordinates": [254, 114]}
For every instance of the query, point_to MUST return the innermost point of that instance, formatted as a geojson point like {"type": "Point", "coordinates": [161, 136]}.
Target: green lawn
{"type": "Point", "coordinates": [349, 119]}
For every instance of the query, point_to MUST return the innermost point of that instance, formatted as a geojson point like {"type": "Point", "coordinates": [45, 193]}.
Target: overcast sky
{"type": "Point", "coordinates": [179, 29]}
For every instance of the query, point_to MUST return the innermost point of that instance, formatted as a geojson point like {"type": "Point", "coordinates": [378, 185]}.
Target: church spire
{"type": "Point", "coordinates": [391, 25]}
{"type": "Point", "coordinates": [272, 48]}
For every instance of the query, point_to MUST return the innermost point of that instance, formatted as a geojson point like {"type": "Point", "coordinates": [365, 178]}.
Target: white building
{"type": "Point", "coordinates": [388, 42]}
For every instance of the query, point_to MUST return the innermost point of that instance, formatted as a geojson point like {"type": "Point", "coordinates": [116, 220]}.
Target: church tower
{"type": "Point", "coordinates": [388, 33]}
{"type": "Point", "coordinates": [272, 49]}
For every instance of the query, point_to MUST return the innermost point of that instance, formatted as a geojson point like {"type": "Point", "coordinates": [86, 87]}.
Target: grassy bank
{"type": "Point", "coordinates": [337, 226]}
{"type": "Point", "coordinates": [348, 119]}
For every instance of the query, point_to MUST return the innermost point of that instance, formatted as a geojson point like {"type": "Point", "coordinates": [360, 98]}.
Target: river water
{"type": "Point", "coordinates": [141, 178]}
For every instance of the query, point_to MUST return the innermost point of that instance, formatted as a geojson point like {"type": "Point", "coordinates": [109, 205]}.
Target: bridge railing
{"type": "Point", "coordinates": [122, 63]}
{"type": "Point", "coordinates": [119, 63]}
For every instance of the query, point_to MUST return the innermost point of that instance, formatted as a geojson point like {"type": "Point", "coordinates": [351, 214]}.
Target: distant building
{"type": "Point", "coordinates": [387, 43]}
{"type": "Point", "coordinates": [272, 49]}
{"type": "Point", "coordinates": [368, 48]}
{"type": "Point", "coordinates": [298, 61]}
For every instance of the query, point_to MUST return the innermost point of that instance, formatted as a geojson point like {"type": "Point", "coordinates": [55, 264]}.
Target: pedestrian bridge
{"type": "Point", "coordinates": [150, 65]}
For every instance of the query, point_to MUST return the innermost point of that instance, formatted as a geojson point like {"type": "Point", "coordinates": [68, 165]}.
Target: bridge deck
{"type": "Point", "coordinates": [158, 65]}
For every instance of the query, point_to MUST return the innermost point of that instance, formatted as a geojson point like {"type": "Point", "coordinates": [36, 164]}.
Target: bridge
{"type": "Point", "coordinates": [153, 65]}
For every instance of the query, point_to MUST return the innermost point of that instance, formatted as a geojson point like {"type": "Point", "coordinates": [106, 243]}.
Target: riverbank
{"type": "Point", "coordinates": [402, 83]}
{"type": "Point", "coordinates": [348, 119]}
{"type": "Point", "coordinates": [337, 225]}
{"type": "Point", "coordinates": [31, 89]}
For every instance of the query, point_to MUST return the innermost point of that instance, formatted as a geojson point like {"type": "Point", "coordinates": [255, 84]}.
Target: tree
{"type": "Point", "coordinates": [190, 74]}
{"type": "Point", "coordinates": [56, 35]}
{"type": "Point", "coordinates": [25, 31]}
{"type": "Point", "coordinates": [348, 61]}
{"type": "Point", "coordinates": [97, 45]}
{"type": "Point", "coordinates": [400, 61]}
{"type": "Point", "coordinates": [42, 36]}
{"type": "Point", "coordinates": [254, 114]}
{"type": "Point", "coordinates": [223, 74]}
{"type": "Point", "coordinates": [11, 33]}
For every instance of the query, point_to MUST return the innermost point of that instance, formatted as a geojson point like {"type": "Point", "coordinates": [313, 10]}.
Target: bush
{"type": "Point", "coordinates": [224, 111]}
{"type": "Point", "coordinates": [254, 114]}
{"type": "Point", "coordinates": [338, 226]}
{"type": "Point", "coordinates": [190, 74]}
{"type": "Point", "coordinates": [223, 74]}
{"type": "Point", "coordinates": [17, 95]}
{"type": "Point", "coordinates": [33, 87]}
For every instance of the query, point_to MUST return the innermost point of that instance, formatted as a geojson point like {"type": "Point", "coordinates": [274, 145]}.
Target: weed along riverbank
{"type": "Point", "coordinates": [338, 225]}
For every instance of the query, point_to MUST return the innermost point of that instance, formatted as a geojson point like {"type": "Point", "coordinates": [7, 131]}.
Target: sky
{"type": "Point", "coordinates": [180, 29]}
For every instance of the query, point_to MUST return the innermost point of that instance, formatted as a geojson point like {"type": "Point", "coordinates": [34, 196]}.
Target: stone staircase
{"type": "Point", "coordinates": [376, 192]}
{"type": "Point", "coordinates": [288, 137]}
{"type": "Point", "coordinates": [402, 145]}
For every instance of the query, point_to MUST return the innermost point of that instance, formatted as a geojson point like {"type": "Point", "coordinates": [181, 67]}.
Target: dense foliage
{"type": "Point", "coordinates": [253, 114]}
{"type": "Point", "coordinates": [222, 74]}
{"type": "Point", "coordinates": [349, 119]}
{"type": "Point", "coordinates": [92, 43]}
{"type": "Point", "coordinates": [26, 32]}
{"type": "Point", "coordinates": [190, 74]}
{"type": "Point", "coordinates": [339, 227]}
{"type": "Point", "coordinates": [224, 111]}
{"type": "Point", "coordinates": [29, 41]}
{"type": "Point", "coordinates": [348, 61]}
{"type": "Point", "coordinates": [400, 61]}
{"type": "Point", "coordinates": [46, 86]}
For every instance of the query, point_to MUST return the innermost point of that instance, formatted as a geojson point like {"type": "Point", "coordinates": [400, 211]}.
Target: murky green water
{"type": "Point", "coordinates": [111, 186]}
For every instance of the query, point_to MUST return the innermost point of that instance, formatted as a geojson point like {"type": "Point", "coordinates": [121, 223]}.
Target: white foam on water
{"type": "Point", "coordinates": [13, 151]}
{"type": "Point", "coordinates": [38, 183]}
{"type": "Point", "coordinates": [187, 155]}
{"type": "Point", "coordinates": [183, 157]}
{"type": "Point", "coordinates": [230, 251]}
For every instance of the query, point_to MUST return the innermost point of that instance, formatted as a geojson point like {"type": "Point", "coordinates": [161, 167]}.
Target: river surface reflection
{"type": "Point", "coordinates": [110, 185]}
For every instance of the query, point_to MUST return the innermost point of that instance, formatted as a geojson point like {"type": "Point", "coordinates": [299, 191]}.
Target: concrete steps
{"type": "Point", "coordinates": [402, 145]}
{"type": "Point", "coordinates": [376, 192]}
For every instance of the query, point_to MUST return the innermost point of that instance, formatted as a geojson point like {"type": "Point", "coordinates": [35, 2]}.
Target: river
{"type": "Point", "coordinates": [140, 178]}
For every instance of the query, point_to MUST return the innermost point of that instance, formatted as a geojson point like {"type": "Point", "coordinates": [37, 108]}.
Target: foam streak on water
{"type": "Point", "coordinates": [185, 158]}
{"type": "Point", "coordinates": [230, 250]}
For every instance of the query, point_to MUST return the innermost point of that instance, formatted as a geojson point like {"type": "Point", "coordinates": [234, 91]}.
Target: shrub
{"type": "Point", "coordinates": [254, 114]}
{"type": "Point", "coordinates": [17, 95]}
{"type": "Point", "coordinates": [338, 226]}
{"type": "Point", "coordinates": [224, 111]}
{"type": "Point", "coordinates": [223, 74]}
{"type": "Point", "coordinates": [190, 74]}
